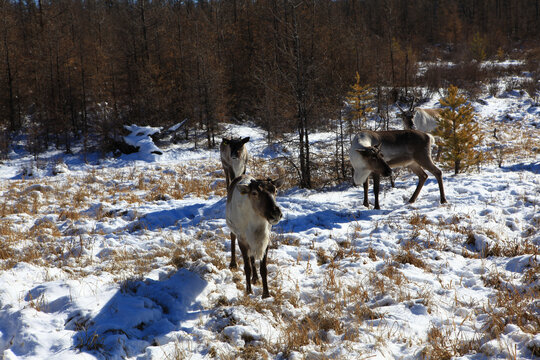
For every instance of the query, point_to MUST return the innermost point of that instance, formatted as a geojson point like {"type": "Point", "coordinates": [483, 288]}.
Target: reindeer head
{"type": "Point", "coordinates": [373, 158]}
{"type": "Point", "coordinates": [234, 146]}
{"type": "Point", "coordinates": [407, 115]}
{"type": "Point", "coordinates": [262, 194]}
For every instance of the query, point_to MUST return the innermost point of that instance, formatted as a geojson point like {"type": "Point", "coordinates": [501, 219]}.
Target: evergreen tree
{"type": "Point", "coordinates": [459, 132]}
{"type": "Point", "coordinates": [359, 98]}
{"type": "Point", "coordinates": [478, 47]}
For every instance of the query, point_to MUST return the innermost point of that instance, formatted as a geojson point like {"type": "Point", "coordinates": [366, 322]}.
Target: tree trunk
{"type": "Point", "coordinates": [343, 175]}
{"type": "Point", "coordinates": [300, 93]}
{"type": "Point", "coordinates": [457, 167]}
{"type": "Point", "coordinates": [10, 85]}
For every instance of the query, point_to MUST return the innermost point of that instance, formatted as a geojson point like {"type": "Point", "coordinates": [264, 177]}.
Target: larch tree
{"type": "Point", "coordinates": [359, 99]}
{"type": "Point", "coordinates": [477, 47]}
{"type": "Point", "coordinates": [459, 132]}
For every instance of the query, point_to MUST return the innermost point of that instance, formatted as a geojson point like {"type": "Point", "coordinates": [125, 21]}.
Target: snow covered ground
{"type": "Point", "coordinates": [127, 258]}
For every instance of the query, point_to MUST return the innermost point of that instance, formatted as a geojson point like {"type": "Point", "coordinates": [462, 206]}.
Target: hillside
{"type": "Point", "coordinates": [127, 258]}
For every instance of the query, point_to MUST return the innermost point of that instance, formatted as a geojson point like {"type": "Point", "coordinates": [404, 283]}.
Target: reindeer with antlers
{"type": "Point", "coordinates": [422, 119]}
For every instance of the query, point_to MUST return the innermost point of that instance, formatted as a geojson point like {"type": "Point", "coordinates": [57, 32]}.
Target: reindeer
{"type": "Point", "coordinates": [374, 152]}
{"type": "Point", "coordinates": [251, 211]}
{"type": "Point", "coordinates": [422, 119]}
{"type": "Point", "coordinates": [234, 159]}
{"type": "Point", "coordinates": [426, 120]}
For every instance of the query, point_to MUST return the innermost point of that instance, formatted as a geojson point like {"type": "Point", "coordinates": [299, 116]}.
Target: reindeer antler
{"type": "Point", "coordinates": [412, 103]}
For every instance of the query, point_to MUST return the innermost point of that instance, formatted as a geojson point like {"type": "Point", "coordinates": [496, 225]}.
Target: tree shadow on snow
{"type": "Point", "coordinates": [188, 215]}
{"type": "Point", "coordinates": [325, 219]}
{"type": "Point", "coordinates": [138, 315]}
{"type": "Point", "coordinates": [533, 167]}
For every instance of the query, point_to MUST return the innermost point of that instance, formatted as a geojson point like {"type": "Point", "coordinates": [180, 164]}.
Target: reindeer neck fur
{"type": "Point", "coordinates": [361, 169]}
{"type": "Point", "coordinates": [238, 165]}
{"type": "Point", "coordinates": [252, 229]}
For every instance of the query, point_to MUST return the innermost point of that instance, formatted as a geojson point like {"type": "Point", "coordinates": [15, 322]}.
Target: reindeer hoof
{"type": "Point", "coordinates": [232, 265]}
{"type": "Point", "coordinates": [254, 280]}
{"type": "Point", "coordinates": [265, 295]}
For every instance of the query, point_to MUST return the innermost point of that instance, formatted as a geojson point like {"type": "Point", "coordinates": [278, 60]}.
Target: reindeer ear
{"type": "Point", "coordinates": [378, 146]}
{"type": "Point", "coordinates": [278, 182]}
{"type": "Point", "coordinates": [243, 188]}
{"type": "Point", "coordinates": [225, 141]}
{"type": "Point", "coordinates": [245, 140]}
{"type": "Point", "coordinates": [362, 151]}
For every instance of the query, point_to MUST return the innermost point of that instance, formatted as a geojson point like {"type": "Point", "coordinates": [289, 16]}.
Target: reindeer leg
{"type": "Point", "coordinates": [427, 163]}
{"type": "Point", "coordinates": [254, 277]}
{"type": "Point", "coordinates": [247, 266]}
{"type": "Point", "coordinates": [422, 177]}
{"type": "Point", "coordinates": [232, 264]}
{"type": "Point", "coordinates": [366, 189]}
{"type": "Point", "coordinates": [438, 175]}
{"type": "Point", "coordinates": [264, 273]}
{"type": "Point", "coordinates": [376, 186]}
{"type": "Point", "coordinates": [227, 178]}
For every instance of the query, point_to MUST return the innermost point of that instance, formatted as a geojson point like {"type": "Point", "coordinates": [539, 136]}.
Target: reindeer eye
{"type": "Point", "coordinates": [254, 193]}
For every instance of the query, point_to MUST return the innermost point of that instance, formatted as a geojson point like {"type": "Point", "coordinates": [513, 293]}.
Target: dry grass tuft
{"type": "Point", "coordinates": [372, 254]}
{"type": "Point", "coordinates": [362, 313]}
{"type": "Point", "coordinates": [407, 257]}
{"type": "Point", "coordinates": [89, 341]}
{"type": "Point", "coordinates": [444, 344]}
{"type": "Point", "coordinates": [532, 273]}
{"type": "Point", "coordinates": [516, 247]}
{"type": "Point", "coordinates": [513, 307]}
{"type": "Point", "coordinates": [253, 352]}
{"type": "Point", "coordinates": [322, 257]}
{"type": "Point", "coordinates": [295, 336]}
{"type": "Point", "coordinates": [40, 303]}
{"type": "Point", "coordinates": [183, 254]}
{"type": "Point", "coordinates": [313, 329]}
{"type": "Point", "coordinates": [419, 220]}
{"type": "Point", "coordinates": [392, 273]}
{"type": "Point", "coordinates": [6, 252]}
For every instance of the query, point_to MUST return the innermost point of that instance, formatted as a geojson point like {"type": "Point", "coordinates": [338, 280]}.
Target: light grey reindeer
{"type": "Point", "coordinates": [234, 158]}
{"type": "Point", "coordinates": [251, 211]}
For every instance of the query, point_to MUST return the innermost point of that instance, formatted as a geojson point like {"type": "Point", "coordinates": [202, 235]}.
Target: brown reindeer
{"type": "Point", "coordinates": [371, 150]}
{"type": "Point", "coordinates": [251, 211]}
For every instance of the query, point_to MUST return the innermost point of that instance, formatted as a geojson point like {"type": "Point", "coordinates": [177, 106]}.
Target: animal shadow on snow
{"type": "Point", "coordinates": [138, 315]}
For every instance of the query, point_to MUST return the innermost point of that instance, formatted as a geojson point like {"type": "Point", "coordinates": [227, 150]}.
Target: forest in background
{"type": "Point", "coordinates": [79, 70]}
